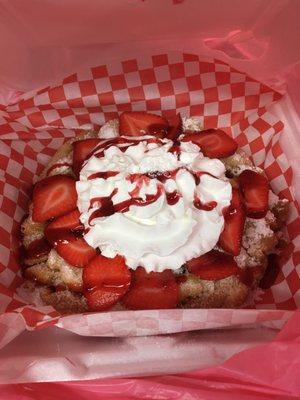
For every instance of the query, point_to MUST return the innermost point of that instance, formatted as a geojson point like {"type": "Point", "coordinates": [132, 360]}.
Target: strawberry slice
{"type": "Point", "coordinates": [176, 127]}
{"type": "Point", "coordinates": [255, 190]}
{"type": "Point", "coordinates": [154, 290]}
{"type": "Point", "coordinates": [214, 143]}
{"type": "Point", "coordinates": [76, 252]}
{"type": "Point", "coordinates": [53, 196]}
{"type": "Point", "coordinates": [213, 265]}
{"type": "Point", "coordinates": [142, 123]}
{"type": "Point", "coordinates": [81, 150]}
{"type": "Point", "coordinates": [105, 281]}
{"type": "Point", "coordinates": [65, 227]}
{"type": "Point", "coordinates": [231, 237]}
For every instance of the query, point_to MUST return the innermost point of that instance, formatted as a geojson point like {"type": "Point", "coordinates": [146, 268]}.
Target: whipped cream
{"type": "Point", "coordinates": [156, 204]}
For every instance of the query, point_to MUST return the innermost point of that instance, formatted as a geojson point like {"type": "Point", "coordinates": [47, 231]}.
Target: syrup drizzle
{"type": "Point", "coordinates": [106, 206]}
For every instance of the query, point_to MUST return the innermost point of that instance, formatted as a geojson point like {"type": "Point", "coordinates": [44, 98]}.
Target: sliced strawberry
{"type": "Point", "coordinates": [105, 281]}
{"type": "Point", "coordinates": [255, 190]}
{"type": "Point", "coordinates": [213, 265]}
{"type": "Point", "coordinates": [65, 227]}
{"type": "Point", "coordinates": [53, 196]}
{"type": "Point", "coordinates": [214, 143]}
{"type": "Point", "coordinates": [76, 252]}
{"type": "Point", "coordinates": [154, 290]}
{"type": "Point", "coordinates": [81, 150]}
{"type": "Point", "coordinates": [234, 216]}
{"type": "Point", "coordinates": [176, 127]}
{"type": "Point", "coordinates": [142, 123]}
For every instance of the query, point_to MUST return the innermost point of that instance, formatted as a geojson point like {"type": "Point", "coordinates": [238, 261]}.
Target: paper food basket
{"type": "Point", "coordinates": [73, 65]}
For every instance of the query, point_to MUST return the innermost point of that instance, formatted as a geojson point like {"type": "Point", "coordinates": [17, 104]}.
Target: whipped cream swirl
{"type": "Point", "coordinates": [156, 203]}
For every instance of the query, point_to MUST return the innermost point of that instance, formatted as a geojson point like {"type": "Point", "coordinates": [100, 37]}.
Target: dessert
{"type": "Point", "coordinates": [149, 214]}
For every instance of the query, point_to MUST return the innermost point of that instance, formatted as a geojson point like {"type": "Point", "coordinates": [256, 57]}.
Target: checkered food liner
{"type": "Point", "coordinates": [32, 129]}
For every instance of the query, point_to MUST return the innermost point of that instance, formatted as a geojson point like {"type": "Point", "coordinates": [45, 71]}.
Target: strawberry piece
{"type": "Point", "coordinates": [231, 237]}
{"type": "Point", "coordinates": [65, 227]}
{"type": "Point", "coordinates": [154, 290]}
{"type": "Point", "coordinates": [176, 127]}
{"type": "Point", "coordinates": [142, 123]}
{"type": "Point", "coordinates": [81, 151]}
{"type": "Point", "coordinates": [214, 143]}
{"type": "Point", "coordinates": [105, 280]}
{"type": "Point", "coordinates": [76, 252]}
{"type": "Point", "coordinates": [52, 197]}
{"type": "Point", "coordinates": [255, 190]}
{"type": "Point", "coordinates": [213, 265]}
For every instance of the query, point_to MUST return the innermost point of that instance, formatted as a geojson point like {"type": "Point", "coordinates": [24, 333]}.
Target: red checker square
{"type": "Point", "coordinates": [190, 57]}
{"type": "Point", "coordinates": [288, 174]}
{"type": "Point", "coordinates": [276, 150]}
{"type": "Point", "coordinates": [193, 82]}
{"type": "Point", "coordinates": [83, 119]}
{"type": "Point", "coordinates": [45, 107]}
{"type": "Point", "coordinates": [70, 79]}
{"type": "Point", "coordinates": [296, 256]}
{"type": "Point", "coordinates": [75, 103]}
{"type": "Point", "coordinates": [26, 175]}
{"type": "Point", "coordinates": [147, 76]}
{"type": "Point", "coordinates": [87, 88]}
{"type": "Point", "coordinates": [99, 72]}
{"type": "Point", "coordinates": [182, 100]}
{"type": "Point", "coordinates": [273, 171]}
{"type": "Point", "coordinates": [5, 128]}
{"type": "Point", "coordinates": [206, 67]}
{"type": "Point", "coordinates": [256, 145]}
{"type": "Point", "coordinates": [123, 107]}
{"type": "Point", "coordinates": [293, 227]}
{"type": "Point", "coordinates": [118, 82]}
{"type": "Point", "coordinates": [222, 78]}
{"type": "Point", "coordinates": [237, 116]}
{"type": "Point", "coordinates": [36, 119]}
{"type": "Point", "coordinates": [64, 112]}
{"type": "Point", "coordinates": [130, 65]}
{"type": "Point", "coordinates": [43, 90]}
{"type": "Point", "coordinates": [176, 70]}
{"type": "Point", "coordinates": [110, 115]}
{"type": "Point", "coordinates": [5, 236]}
{"type": "Point", "coordinates": [13, 305]}
{"type": "Point", "coordinates": [57, 94]}
{"type": "Point", "coordinates": [293, 281]}
{"type": "Point", "coordinates": [225, 106]}
{"type": "Point", "coordinates": [251, 102]}
{"type": "Point", "coordinates": [8, 206]}
{"type": "Point", "coordinates": [210, 121]}
{"type": "Point", "coordinates": [287, 305]}
{"type": "Point", "coordinates": [136, 93]}
{"type": "Point", "coordinates": [261, 125]}
{"type": "Point", "coordinates": [197, 109]}
{"type": "Point", "coordinates": [29, 103]}
{"type": "Point", "coordinates": [278, 127]}
{"type": "Point", "coordinates": [153, 104]}
{"type": "Point", "coordinates": [241, 139]}
{"type": "Point", "coordinates": [106, 99]}
{"type": "Point", "coordinates": [238, 89]}
{"type": "Point", "coordinates": [159, 60]}
{"type": "Point", "coordinates": [211, 95]}
{"type": "Point", "coordinates": [165, 88]}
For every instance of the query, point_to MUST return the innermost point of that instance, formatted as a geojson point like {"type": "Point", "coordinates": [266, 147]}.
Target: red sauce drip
{"type": "Point", "coordinates": [58, 165]}
{"type": "Point", "coordinates": [204, 206]}
{"type": "Point", "coordinates": [138, 201]}
{"type": "Point", "coordinates": [103, 175]}
{"type": "Point", "coordinates": [38, 248]}
{"type": "Point", "coordinates": [173, 197]}
{"type": "Point", "coordinates": [163, 176]}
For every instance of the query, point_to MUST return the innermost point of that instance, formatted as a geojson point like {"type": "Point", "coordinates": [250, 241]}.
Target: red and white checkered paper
{"type": "Point", "coordinates": [37, 125]}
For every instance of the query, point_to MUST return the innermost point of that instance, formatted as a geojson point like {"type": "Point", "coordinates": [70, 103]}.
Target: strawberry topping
{"type": "Point", "coordinates": [231, 237]}
{"type": "Point", "coordinates": [81, 151]}
{"type": "Point", "coordinates": [255, 190]}
{"type": "Point", "coordinates": [65, 233]}
{"type": "Point", "coordinates": [76, 252]}
{"type": "Point", "coordinates": [105, 281]}
{"type": "Point", "coordinates": [141, 123]}
{"type": "Point", "coordinates": [213, 265]}
{"type": "Point", "coordinates": [214, 143]}
{"type": "Point", "coordinates": [52, 197]}
{"type": "Point", "coordinates": [154, 290]}
{"type": "Point", "coordinates": [176, 127]}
